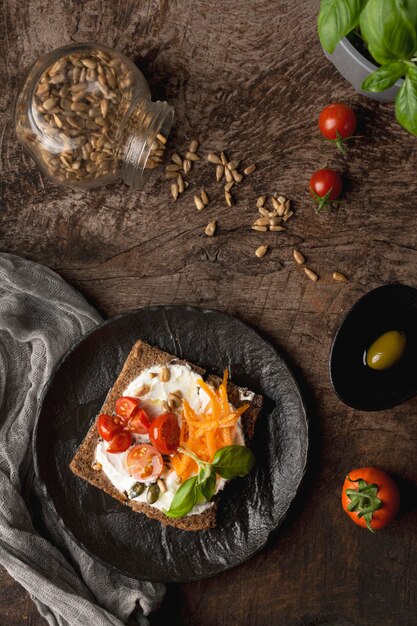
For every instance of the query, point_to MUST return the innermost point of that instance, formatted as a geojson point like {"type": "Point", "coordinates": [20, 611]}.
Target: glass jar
{"type": "Point", "coordinates": [85, 115]}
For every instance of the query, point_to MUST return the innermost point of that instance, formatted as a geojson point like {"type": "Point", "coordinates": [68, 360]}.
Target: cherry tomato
{"type": "Point", "coordinates": [139, 423]}
{"type": "Point", "coordinates": [107, 427]}
{"type": "Point", "coordinates": [126, 407]}
{"type": "Point", "coordinates": [164, 433]}
{"type": "Point", "coordinates": [370, 498]}
{"type": "Point", "coordinates": [325, 186]}
{"type": "Point", "coordinates": [337, 122]}
{"type": "Point", "coordinates": [144, 462]}
{"type": "Point", "coordinates": [120, 442]}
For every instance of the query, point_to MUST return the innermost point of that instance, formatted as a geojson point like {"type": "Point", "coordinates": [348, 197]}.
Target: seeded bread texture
{"type": "Point", "coordinates": [141, 357]}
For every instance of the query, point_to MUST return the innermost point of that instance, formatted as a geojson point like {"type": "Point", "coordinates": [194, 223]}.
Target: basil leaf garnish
{"type": "Point", "coordinates": [336, 19]}
{"type": "Point", "coordinates": [233, 461]}
{"type": "Point", "coordinates": [208, 487]}
{"type": "Point", "coordinates": [185, 499]}
{"type": "Point", "coordinates": [384, 77]}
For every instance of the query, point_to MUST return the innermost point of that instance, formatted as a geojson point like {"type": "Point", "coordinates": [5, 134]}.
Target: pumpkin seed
{"type": "Point", "coordinates": [136, 490]}
{"type": "Point", "coordinates": [152, 494]}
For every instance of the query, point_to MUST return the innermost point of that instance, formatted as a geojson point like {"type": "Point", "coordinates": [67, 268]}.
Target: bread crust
{"type": "Point", "coordinates": [141, 357]}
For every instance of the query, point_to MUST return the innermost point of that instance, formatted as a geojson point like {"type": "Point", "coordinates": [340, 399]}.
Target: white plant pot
{"type": "Point", "coordinates": [353, 66]}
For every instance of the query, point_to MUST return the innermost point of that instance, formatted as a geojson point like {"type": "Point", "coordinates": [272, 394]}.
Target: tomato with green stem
{"type": "Point", "coordinates": [325, 187]}
{"type": "Point", "coordinates": [337, 123]}
{"type": "Point", "coordinates": [370, 498]}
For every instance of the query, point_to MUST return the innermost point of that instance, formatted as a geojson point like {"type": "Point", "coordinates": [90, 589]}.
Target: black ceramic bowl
{"type": "Point", "coordinates": [391, 307]}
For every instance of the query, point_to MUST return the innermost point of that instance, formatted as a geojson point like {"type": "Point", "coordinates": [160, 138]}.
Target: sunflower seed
{"type": "Point", "coordinates": [260, 201]}
{"type": "Point", "coordinates": [161, 138]}
{"type": "Point", "coordinates": [223, 158]}
{"type": "Point", "coordinates": [274, 220]}
{"type": "Point", "coordinates": [177, 159]}
{"type": "Point", "coordinates": [229, 198]}
{"type": "Point", "coordinates": [198, 203]}
{"type": "Point", "coordinates": [261, 251]}
{"type": "Point", "coordinates": [219, 172]}
{"type": "Point", "coordinates": [340, 278]}
{"type": "Point", "coordinates": [50, 103]}
{"type": "Point", "coordinates": [192, 156]}
{"type": "Point", "coordinates": [236, 176]}
{"type": "Point", "coordinates": [228, 186]}
{"type": "Point", "coordinates": [277, 229]}
{"type": "Point", "coordinates": [205, 197]}
{"type": "Point", "coordinates": [172, 167]}
{"type": "Point", "coordinates": [211, 228]}
{"type": "Point", "coordinates": [213, 158]}
{"type": "Point", "coordinates": [168, 175]}
{"type": "Point", "coordinates": [287, 206]}
{"type": "Point", "coordinates": [288, 215]}
{"type": "Point", "coordinates": [180, 183]}
{"type": "Point", "coordinates": [263, 211]}
{"type": "Point", "coordinates": [250, 169]}
{"type": "Point", "coordinates": [281, 210]}
{"type": "Point", "coordinates": [277, 205]}
{"type": "Point", "coordinates": [165, 406]}
{"type": "Point", "coordinates": [164, 374]}
{"type": "Point", "coordinates": [96, 466]}
{"type": "Point", "coordinates": [174, 191]}
{"type": "Point", "coordinates": [193, 146]}
{"type": "Point", "coordinates": [186, 165]}
{"type": "Point", "coordinates": [228, 175]}
{"type": "Point", "coordinates": [261, 221]}
{"type": "Point", "coordinates": [233, 165]}
{"type": "Point", "coordinates": [142, 390]}
{"type": "Point", "coordinates": [312, 275]}
{"type": "Point", "coordinates": [261, 229]}
{"type": "Point", "coordinates": [161, 484]}
{"type": "Point", "coordinates": [298, 257]}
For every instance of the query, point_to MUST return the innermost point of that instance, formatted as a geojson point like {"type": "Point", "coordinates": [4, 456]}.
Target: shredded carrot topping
{"type": "Point", "coordinates": [206, 432]}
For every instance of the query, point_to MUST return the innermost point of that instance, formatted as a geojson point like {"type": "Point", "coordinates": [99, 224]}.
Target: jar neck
{"type": "Point", "coordinates": [146, 120]}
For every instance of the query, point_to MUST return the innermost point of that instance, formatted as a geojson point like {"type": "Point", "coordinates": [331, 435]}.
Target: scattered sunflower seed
{"type": "Point", "coordinates": [223, 158]}
{"type": "Point", "coordinates": [193, 146]}
{"type": "Point", "coordinates": [168, 175]}
{"type": "Point", "coordinates": [262, 221]}
{"type": "Point", "coordinates": [219, 172]}
{"type": "Point", "coordinates": [164, 374]}
{"type": "Point", "coordinates": [233, 165]}
{"type": "Point", "coordinates": [288, 215]}
{"type": "Point", "coordinates": [312, 275]}
{"type": "Point", "coordinates": [274, 220]}
{"type": "Point", "coordinates": [229, 198]}
{"type": "Point", "coordinates": [192, 156]}
{"type": "Point", "coordinates": [236, 176]}
{"type": "Point", "coordinates": [298, 257]}
{"type": "Point", "coordinates": [277, 229]}
{"type": "Point", "coordinates": [205, 197]}
{"type": "Point", "coordinates": [228, 175]}
{"type": "Point", "coordinates": [211, 228]}
{"type": "Point", "coordinates": [261, 251]}
{"type": "Point", "coordinates": [261, 229]}
{"type": "Point", "coordinates": [176, 159]}
{"type": "Point", "coordinates": [250, 169]}
{"type": "Point", "coordinates": [228, 186]}
{"type": "Point", "coordinates": [186, 166]}
{"type": "Point", "coordinates": [142, 390]}
{"type": "Point", "coordinates": [180, 183]}
{"type": "Point", "coordinates": [161, 484]}
{"type": "Point", "coordinates": [161, 138]}
{"type": "Point", "coordinates": [260, 201]}
{"type": "Point", "coordinates": [174, 191]}
{"type": "Point", "coordinates": [172, 167]}
{"type": "Point", "coordinates": [198, 203]}
{"type": "Point", "coordinates": [263, 211]}
{"type": "Point", "coordinates": [281, 199]}
{"type": "Point", "coordinates": [213, 158]}
{"type": "Point", "coordinates": [340, 278]}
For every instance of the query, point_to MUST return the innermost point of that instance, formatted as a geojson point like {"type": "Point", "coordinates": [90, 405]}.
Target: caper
{"type": "Point", "coordinates": [136, 490]}
{"type": "Point", "coordinates": [386, 350]}
{"type": "Point", "coordinates": [152, 494]}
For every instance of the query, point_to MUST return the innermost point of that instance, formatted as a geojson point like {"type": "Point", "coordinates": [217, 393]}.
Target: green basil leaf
{"type": "Point", "coordinates": [336, 19]}
{"type": "Point", "coordinates": [384, 77]}
{"type": "Point", "coordinates": [406, 102]}
{"type": "Point", "coordinates": [208, 487]}
{"type": "Point", "coordinates": [184, 500]}
{"type": "Point", "coordinates": [233, 461]}
{"type": "Point", "coordinates": [389, 28]}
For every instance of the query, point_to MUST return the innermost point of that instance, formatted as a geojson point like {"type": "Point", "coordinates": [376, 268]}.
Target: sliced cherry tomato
{"type": "Point", "coordinates": [139, 423]}
{"type": "Point", "coordinates": [325, 186]}
{"type": "Point", "coordinates": [337, 123]}
{"type": "Point", "coordinates": [126, 407]}
{"type": "Point", "coordinates": [164, 433]}
{"type": "Point", "coordinates": [107, 427]}
{"type": "Point", "coordinates": [370, 498]}
{"type": "Point", "coordinates": [120, 442]}
{"type": "Point", "coordinates": [144, 462]}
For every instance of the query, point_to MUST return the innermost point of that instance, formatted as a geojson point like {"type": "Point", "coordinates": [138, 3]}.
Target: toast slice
{"type": "Point", "coordinates": [143, 356]}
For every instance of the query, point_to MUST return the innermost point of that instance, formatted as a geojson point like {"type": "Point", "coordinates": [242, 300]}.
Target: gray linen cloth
{"type": "Point", "coordinates": [40, 317]}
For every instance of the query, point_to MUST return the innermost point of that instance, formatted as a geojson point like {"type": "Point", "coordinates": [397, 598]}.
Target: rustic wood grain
{"type": "Point", "coordinates": [248, 77]}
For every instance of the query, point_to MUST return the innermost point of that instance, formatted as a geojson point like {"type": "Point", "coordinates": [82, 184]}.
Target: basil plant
{"type": "Point", "coordinates": [389, 30]}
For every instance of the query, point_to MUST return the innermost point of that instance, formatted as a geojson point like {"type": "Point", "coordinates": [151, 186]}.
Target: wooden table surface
{"type": "Point", "coordinates": [250, 78]}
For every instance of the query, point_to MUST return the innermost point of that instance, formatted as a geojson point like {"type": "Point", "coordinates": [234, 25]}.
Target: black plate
{"type": "Point", "coordinates": [250, 508]}
{"type": "Point", "coordinates": [391, 307]}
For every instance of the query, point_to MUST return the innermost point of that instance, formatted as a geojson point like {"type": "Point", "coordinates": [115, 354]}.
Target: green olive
{"type": "Point", "coordinates": [152, 494]}
{"type": "Point", "coordinates": [386, 350]}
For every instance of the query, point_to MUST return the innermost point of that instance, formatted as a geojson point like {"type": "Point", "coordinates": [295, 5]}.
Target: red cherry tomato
{"type": "Point", "coordinates": [120, 442]}
{"type": "Point", "coordinates": [107, 427]}
{"type": "Point", "coordinates": [126, 407]}
{"type": "Point", "coordinates": [337, 123]}
{"type": "Point", "coordinates": [325, 186]}
{"type": "Point", "coordinates": [370, 493]}
{"type": "Point", "coordinates": [164, 433]}
{"type": "Point", "coordinates": [139, 423]}
{"type": "Point", "coordinates": [144, 462]}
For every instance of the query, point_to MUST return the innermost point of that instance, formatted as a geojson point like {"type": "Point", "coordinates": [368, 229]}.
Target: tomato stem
{"type": "Point", "coordinates": [323, 202]}
{"type": "Point", "coordinates": [339, 141]}
{"type": "Point", "coordinates": [364, 500]}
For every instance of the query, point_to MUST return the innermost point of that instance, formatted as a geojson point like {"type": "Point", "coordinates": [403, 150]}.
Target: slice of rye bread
{"type": "Point", "coordinates": [141, 357]}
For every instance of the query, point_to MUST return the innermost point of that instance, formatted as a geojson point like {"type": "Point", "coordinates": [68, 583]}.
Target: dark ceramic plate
{"type": "Point", "coordinates": [250, 507]}
{"type": "Point", "coordinates": [391, 307]}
